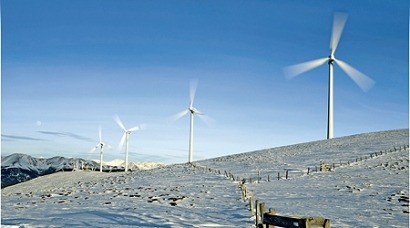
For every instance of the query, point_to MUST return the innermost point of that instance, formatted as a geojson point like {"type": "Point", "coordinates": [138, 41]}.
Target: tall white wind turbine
{"type": "Point", "coordinates": [364, 82]}
{"type": "Point", "coordinates": [124, 138]}
{"type": "Point", "coordinates": [191, 109]}
{"type": "Point", "coordinates": [100, 145]}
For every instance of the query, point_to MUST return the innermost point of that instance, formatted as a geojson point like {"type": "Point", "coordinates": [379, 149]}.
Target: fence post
{"type": "Point", "coordinates": [262, 210]}
{"type": "Point", "coordinates": [259, 176]}
{"type": "Point", "coordinates": [278, 176]}
{"type": "Point", "coordinates": [271, 212]}
{"type": "Point", "coordinates": [251, 205]}
{"type": "Point", "coordinates": [257, 212]}
{"type": "Point", "coordinates": [308, 171]}
{"type": "Point", "coordinates": [286, 174]}
{"type": "Point", "coordinates": [268, 178]}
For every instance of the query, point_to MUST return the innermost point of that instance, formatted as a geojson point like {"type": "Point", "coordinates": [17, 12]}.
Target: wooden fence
{"type": "Point", "coordinates": [270, 218]}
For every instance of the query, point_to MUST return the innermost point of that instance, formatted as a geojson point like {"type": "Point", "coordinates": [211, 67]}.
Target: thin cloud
{"type": "Point", "coordinates": [69, 134]}
{"type": "Point", "coordinates": [18, 137]}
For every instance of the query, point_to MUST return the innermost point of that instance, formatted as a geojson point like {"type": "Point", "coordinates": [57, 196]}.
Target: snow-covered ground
{"type": "Point", "coordinates": [369, 192]}
{"type": "Point", "coordinates": [132, 165]}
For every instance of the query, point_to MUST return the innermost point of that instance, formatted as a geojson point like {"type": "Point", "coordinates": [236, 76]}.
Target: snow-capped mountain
{"type": "Point", "coordinates": [16, 168]}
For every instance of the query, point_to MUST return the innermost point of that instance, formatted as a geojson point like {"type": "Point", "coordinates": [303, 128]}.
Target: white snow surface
{"type": "Point", "coordinates": [369, 192]}
{"type": "Point", "coordinates": [132, 165]}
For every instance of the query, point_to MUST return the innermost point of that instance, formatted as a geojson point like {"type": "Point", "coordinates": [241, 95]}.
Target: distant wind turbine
{"type": "Point", "coordinates": [100, 145]}
{"type": "Point", "coordinates": [193, 111]}
{"type": "Point", "coordinates": [125, 136]}
{"type": "Point", "coordinates": [364, 82]}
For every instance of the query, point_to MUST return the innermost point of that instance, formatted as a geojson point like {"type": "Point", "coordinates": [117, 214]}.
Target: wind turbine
{"type": "Point", "coordinates": [124, 138]}
{"type": "Point", "coordinates": [100, 145]}
{"type": "Point", "coordinates": [191, 109]}
{"type": "Point", "coordinates": [364, 82]}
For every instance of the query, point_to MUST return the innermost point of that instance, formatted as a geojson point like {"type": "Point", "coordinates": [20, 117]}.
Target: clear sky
{"type": "Point", "coordinates": [69, 66]}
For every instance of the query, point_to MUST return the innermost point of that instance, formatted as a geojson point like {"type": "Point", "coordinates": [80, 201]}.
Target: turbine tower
{"type": "Point", "coordinates": [124, 138]}
{"type": "Point", "coordinates": [364, 82]}
{"type": "Point", "coordinates": [191, 109]}
{"type": "Point", "coordinates": [100, 145]}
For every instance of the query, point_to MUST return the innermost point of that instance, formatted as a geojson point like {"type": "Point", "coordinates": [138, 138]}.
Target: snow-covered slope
{"type": "Point", "coordinates": [369, 192]}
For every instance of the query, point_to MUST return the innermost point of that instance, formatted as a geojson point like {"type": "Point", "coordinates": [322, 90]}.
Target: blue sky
{"type": "Point", "coordinates": [69, 66]}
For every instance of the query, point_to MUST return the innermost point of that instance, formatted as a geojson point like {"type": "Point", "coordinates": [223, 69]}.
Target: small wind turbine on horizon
{"type": "Point", "coordinates": [191, 109]}
{"type": "Point", "coordinates": [364, 82]}
{"type": "Point", "coordinates": [125, 136]}
{"type": "Point", "coordinates": [100, 145]}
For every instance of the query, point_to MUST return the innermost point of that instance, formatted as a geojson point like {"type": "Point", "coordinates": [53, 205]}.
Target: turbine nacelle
{"type": "Point", "coordinates": [331, 58]}
{"type": "Point", "coordinates": [194, 111]}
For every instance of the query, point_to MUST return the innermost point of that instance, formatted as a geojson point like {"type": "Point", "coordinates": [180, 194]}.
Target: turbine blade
{"type": "Point", "coordinates": [118, 120]}
{"type": "Point", "coordinates": [339, 22]}
{"type": "Point", "coordinates": [364, 82]}
{"type": "Point", "coordinates": [206, 119]}
{"type": "Point", "coordinates": [192, 90]}
{"type": "Point", "coordinates": [297, 69]}
{"type": "Point", "coordinates": [143, 126]}
{"type": "Point", "coordinates": [134, 128]}
{"type": "Point", "coordinates": [122, 141]}
{"type": "Point", "coordinates": [100, 133]}
{"type": "Point", "coordinates": [196, 111]}
{"type": "Point", "coordinates": [94, 148]}
{"type": "Point", "coordinates": [179, 115]}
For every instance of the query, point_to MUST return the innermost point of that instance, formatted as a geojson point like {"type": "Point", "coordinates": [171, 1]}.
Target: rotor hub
{"type": "Point", "coordinates": [331, 59]}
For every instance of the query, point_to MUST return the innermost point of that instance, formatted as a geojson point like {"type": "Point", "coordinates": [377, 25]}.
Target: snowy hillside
{"type": "Point", "coordinates": [366, 187]}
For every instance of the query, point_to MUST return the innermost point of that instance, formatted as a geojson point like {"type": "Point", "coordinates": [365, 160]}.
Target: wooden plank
{"type": "Point", "coordinates": [294, 221]}
{"type": "Point", "coordinates": [283, 221]}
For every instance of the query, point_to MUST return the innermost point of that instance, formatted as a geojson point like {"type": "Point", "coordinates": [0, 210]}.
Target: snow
{"type": "Point", "coordinates": [132, 165]}
{"type": "Point", "coordinates": [369, 192]}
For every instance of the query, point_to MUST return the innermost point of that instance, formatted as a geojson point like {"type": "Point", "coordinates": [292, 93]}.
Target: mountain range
{"type": "Point", "coordinates": [17, 167]}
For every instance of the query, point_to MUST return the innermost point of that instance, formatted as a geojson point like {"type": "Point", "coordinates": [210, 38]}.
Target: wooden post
{"type": "Point", "coordinates": [286, 174]}
{"type": "Point", "coordinates": [251, 206]}
{"type": "Point", "coordinates": [278, 176]}
{"type": "Point", "coordinates": [308, 171]}
{"type": "Point", "coordinates": [271, 212]}
{"type": "Point", "coordinates": [262, 210]}
{"type": "Point", "coordinates": [327, 223]}
{"type": "Point", "coordinates": [257, 212]}
{"type": "Point", "coordinates": [259, 176]}
{"type": "Point", "coordinates": [268, 178]}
